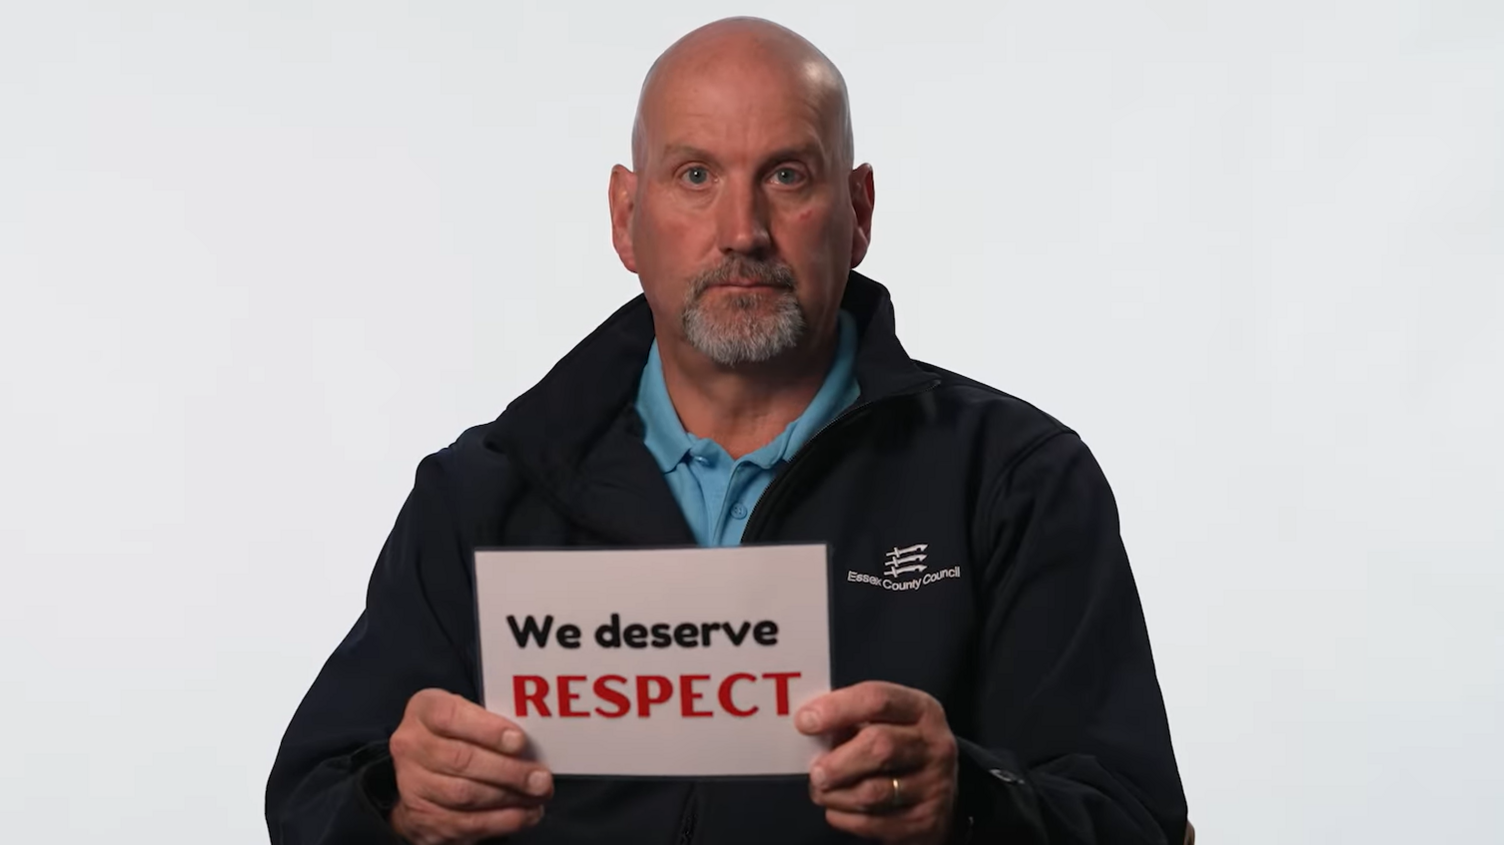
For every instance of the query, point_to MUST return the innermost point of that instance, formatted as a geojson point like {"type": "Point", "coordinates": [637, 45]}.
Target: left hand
{"type": "Point", "coordinates": [892, 734]}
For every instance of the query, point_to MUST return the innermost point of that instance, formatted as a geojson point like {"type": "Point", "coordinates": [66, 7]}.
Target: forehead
{"type": "Point", "coordinates": [738, 108]}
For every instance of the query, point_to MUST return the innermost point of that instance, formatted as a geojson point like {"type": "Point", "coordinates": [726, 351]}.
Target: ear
{"type": "Point", "coordinates": [862, 198]}
{"type": "Point", "coordinates": [622, 196]}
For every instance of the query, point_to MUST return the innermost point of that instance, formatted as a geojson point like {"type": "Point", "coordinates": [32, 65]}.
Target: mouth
{"type": "Point", "coordinates": [748, 284]}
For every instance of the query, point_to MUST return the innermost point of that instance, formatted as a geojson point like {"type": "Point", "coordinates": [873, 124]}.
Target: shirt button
{"type": "Point", "coordinates": [1005, 776]}
{"type": "Point", "coordinates": [701, 460]}
{"type": "Point", "coordinates": [739, 510]}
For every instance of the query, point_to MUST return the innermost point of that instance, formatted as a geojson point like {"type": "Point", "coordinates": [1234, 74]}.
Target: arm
{"type": "Point", "coordinates": [333, 780]}
{"type": "Point", "coordinates": [1068, 741]}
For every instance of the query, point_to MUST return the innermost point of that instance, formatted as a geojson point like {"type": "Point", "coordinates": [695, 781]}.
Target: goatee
{"type": "Point", "coordinates": [744, 325]}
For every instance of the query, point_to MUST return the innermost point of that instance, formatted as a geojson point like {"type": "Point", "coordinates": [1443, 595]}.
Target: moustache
{"type": "Point", "coordinates": [762, 272]}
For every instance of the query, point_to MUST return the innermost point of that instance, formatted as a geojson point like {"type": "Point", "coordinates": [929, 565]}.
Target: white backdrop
{"type": "Point", "coordinates": [258, 259]}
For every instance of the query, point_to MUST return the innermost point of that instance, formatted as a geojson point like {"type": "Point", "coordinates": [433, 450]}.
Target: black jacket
{"type": "Point", "coordinates": [1038, 650]}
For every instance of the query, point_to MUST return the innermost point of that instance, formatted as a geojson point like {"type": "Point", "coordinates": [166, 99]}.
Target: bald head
{"type": "Point", "coordinates": [746, 46]}
{"type": "Point", "coordinates": [742, 214]}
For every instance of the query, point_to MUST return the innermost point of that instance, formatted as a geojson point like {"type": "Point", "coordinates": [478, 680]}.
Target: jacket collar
{"type": "Point", "coordinates": [577, 433]}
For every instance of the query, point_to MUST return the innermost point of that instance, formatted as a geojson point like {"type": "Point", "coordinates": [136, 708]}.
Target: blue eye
{"type": "Point", "coordinates": [787, 176]}
{"type": "Point", "coordinates": [696, 175]}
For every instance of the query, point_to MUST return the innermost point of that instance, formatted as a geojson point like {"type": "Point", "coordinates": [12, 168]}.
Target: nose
{"type": "Point", "coordinates": [742, 220]}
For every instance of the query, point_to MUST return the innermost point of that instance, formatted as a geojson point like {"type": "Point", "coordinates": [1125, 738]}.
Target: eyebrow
{"type": "Point", "coordinates": [812, 151]}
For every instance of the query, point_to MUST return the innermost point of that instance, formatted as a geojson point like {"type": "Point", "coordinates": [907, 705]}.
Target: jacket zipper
{"type": "Point", "coordinates": [687, 825]}
{"type": "Point", "coordinates": [758, 519]}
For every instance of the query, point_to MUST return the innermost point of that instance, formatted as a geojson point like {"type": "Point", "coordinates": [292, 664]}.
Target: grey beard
{"type": "Point", "coordinates": [740, 333]}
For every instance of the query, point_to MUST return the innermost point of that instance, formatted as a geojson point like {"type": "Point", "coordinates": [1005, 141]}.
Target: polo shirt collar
{"type": "Point", "coordinates": [669, 443]}
{"type": "Point", "coordinates": [664, 435]}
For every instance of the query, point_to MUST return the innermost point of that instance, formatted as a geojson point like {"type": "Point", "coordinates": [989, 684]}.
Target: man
{"type": "Point", "coordinates": [756, 392]}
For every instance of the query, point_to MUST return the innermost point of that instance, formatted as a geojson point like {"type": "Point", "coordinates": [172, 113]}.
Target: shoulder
{"type": "Point", "coordinates": [1002, 427]}
{"type": "Point", "coordinates": [1031, 465]}
{"type": "Point", "coordinates": [469, 476]}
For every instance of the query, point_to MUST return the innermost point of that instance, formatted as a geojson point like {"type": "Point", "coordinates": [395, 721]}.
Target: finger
{"type": "Point", "coordinates": [456, 717]}
{"type": "Point", "coordinates": [464, 795]}
{"type": "Point", "coordinates": [860, 825]}
{"type": "Point", "coordinates": [869, 701]}
{"type": "Point", "coordinates": [497, 823]}
{"type": "Point", "coordinates": [870, 796]}
{"type": "Point", "coordinates": [454, 758]}
{"type": "Point", "coordinates": [876, 749]}
{"type": "Point", "coordinates": [421, 820]}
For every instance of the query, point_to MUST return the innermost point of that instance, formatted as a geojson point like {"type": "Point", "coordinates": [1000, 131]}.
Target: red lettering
{"type": "Point", "coordinates": [645, 701]}
{"type": "Point", "coordinates": [727, 703]}
{"type": "Point", "coordinates": [782, 680]}
{"type": "Point", "coordinates": [688, 696]}
{"type": "Point", "coordinates": [567, 696]}
{"type": "Point", "coordinates": [613, 700]}
{"type": "Point", "coordinates": [623, 704]}
{"type": "Point", "coordinates": [521, 697]}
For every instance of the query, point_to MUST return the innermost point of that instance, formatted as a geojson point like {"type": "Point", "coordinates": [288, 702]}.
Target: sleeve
{"type": "Point", "coordinates": [1069, 742]}
{"type": "Point", "coordinates": [332, 781]}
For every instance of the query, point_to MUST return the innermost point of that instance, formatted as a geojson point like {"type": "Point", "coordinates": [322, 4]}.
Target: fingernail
{"type": "Point", "coordinates": [818, 777]}
{"type": "Point", "coordinates": [511, 742]}
{"type": "Point", "coordinates": [537, 782]}
{"type": "Point", "coordinates": [808, 721]}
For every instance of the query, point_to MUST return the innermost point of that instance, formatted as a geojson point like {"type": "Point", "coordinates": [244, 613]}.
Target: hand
{"type": "Point", "coordinates": [885, 732]}
{"type": "Point", "coordinates": [458, 779]}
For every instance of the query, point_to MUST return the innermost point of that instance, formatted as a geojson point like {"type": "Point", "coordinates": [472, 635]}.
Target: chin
{"type": "Point", "coordinates": [746, 334]}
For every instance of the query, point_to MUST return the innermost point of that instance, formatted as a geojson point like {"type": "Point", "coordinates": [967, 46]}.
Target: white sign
{"type": "Point", "coordinates": [679, 662]}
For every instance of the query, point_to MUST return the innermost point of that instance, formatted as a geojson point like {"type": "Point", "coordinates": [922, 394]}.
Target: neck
{"type": "Point", "coordinates": [743, 408]}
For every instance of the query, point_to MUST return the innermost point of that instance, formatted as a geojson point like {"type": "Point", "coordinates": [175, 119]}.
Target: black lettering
{"type": "Point", "coordinates": [737, 635]}
{"type": "Point", "coordinates": [609, 636]}
{"type": "Point", "coordinates": [568, 636]}
{"type": "Point", "coordinates": [766, 632]}
{"type": "Point", "coordinates": [661, 638]}
{"type": "Point", "coordinates": [530, 629]}
{"type": "Point", "coordinates": [705, 629]}
{"type": "Point", "coordinates": [685, 633]}
{"type": "Point", "coordinates": [636, 636]}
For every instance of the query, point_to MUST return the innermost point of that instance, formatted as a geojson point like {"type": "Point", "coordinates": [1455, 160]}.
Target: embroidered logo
{"type": "Point", "coordinates": [905, 569]}
{"type": "Point", "coordinates": [901, 561]}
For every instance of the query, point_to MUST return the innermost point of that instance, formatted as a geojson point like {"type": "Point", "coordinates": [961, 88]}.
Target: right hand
{"type": "Point", "coordinates": [459, 780]}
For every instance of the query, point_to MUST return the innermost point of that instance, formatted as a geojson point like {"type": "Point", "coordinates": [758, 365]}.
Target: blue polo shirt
{"type": "Point", "coordinates": [716, 493]}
